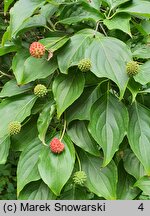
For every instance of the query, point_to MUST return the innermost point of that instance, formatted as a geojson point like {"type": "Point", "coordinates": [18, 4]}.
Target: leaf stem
{"type": "Point", "coordinates": [109, 13]}
{"type": "Point", "coordinates": [65, 124]}
{"type": "Point", "coordinates": [97, 24]}
{"type": "Point", "coordinates": [112, 15]}
{"type": "Point", "coordinates": [78, 159]}
{"type": "Point", "coordinates": [43, 142]}
{"type": "Point", "coordinates": [103, 29]}
{"type": "Point", "coordinates": [26, 121]}
{"type": "Point", "coordinates": [4, 74]}
{"type": "Point", "coordinates": [108, 86]}
{"type": "Point", "coordinates": [52, 25]}
{"type": "Point", "coordinates": [4, 13]}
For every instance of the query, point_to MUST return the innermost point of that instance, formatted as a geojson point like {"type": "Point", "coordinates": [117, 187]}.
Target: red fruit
{"type": "Point", "coordinates": [37, 49]}
{"type": "Point", "coordinates": [56, 146]}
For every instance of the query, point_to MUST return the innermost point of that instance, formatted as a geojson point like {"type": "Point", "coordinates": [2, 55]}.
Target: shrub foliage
{"type": "Point", "coordinates": [85, 84]}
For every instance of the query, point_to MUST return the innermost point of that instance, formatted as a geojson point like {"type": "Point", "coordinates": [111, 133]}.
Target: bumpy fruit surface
{"type": "Point", "coordinates": [40, 90]}
{"type": "Point", "coordinates": [56, 146]}
{"type": "Point", "coordinates": [37, 50]}
{"type": "Point", "coordinates": [79, 177]}
{"type": "Point", "coordinates": [14, 127]}
{"type": "Point", "coordinates": [84, 65]}
{"type": "Point", "coordinates": [132, 68]}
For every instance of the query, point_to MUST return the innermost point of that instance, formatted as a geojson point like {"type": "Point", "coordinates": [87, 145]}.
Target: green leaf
{"type": "Point", "coordinates": [125, 186]}
{"type": "Point", "coordinates": [27, 136]}
{"type": "Point", "coordinates": [101, 181]}
{"type": "Point", "coordinates": [134, 88]}
{"type": "Point", "coordinates": [54, 43]}
{"type": "Point", "coordinates": [6, 38]}
{"type": "Point", "coordinates": [142, 51]}
{"type": "Point", "coordinates": [108, 124]}
{"type": "Point", "coordinates": [141, 30]}
{"type": "Point", "coordinates": [37, 190]}
{"type": "Point", "coordinates": [79, 134]}
{"type": "Point", "coordinates": [79, 12]}
{"type": "Point", "coordinates": [120, 21]}
{"type": "Point", "coordinates": [7, 48]}
{"type": "Point", "coordinates": [44, 120]}
{"type": "Point", "coordinates": [7, 4]}
{"type": "Point", "coordinates": [3, 25]}
{"type": "Point", "coordinates": [4, 148]}
{"type": "Point", "coordinates": [144, 197]}
{"type": "Point", "coordinates": [11, 89]}
{"type": "Point", "coordinates": [96, 4]}
{"type": "Point", "coordinates": [15, 109]}
{"type": "Point", "coordinates": [145, 91]}
{"type": "Point", "coordinates": [55, 169]}
{"type": "Point", "coordinates": [146, 26]}
{"type": "Point", "coordinates": [115, 3]}
{"type": "Point", "coordinates": [80, 109]}
{"type": "Point", "coordinates": [137, 8]}
{"type": "Point", "coordinates": [37, 68]}
{"type": "Point", "coordinates": [75, 49]}
{"type": "Point", "coordinates": [48, 10]}
{"type": "Point", "coordinates": [143, 76]}
{"type": "Point", "coordinates": [93, 7]}
{"type": "Point", "coordinates": [27, 69]}
{"type": "Point", "coordinates": [57, 2]}
{"type": "Point", "coordinates": [31, 22]}
{"type": "Point", "coordinates": [144, 184]}
{"type": "Point", "coordinates": [75, 193]}
{"type": "Point", "coordinates": [138, 134]}
{"type": "Point", "coordinates": [66, 89]}
{"type": "Point", "coordinates": [18, 63]}
{"type": "Point", "coordinates": [22, 9]}
{"type": "Point", "coordinates": [132, 165]}
{"type": "Point", "coordinates": [27, 169]}
{"type": "Point", "coordinates": [107, 63]}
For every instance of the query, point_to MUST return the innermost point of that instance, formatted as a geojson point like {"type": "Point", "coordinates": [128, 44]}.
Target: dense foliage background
{"type": "Point", "coordinates": [102, 115]}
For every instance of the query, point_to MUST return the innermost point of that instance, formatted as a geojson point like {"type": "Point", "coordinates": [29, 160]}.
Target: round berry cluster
{"type": "Point", "coordinates": [56, 146]}
{"type": "Point", "coordinates": [84, 65]}
{"type": "Point", "coordinates": [37, 50]}
{"type": "Point", "coordinates": [40, 90]}
{"type": "Point", "coordinates": [14, 127]}
{"type": "Point", "coordinates": [132, 68]}
{"type": "Point", "coordinates": [79, 177]}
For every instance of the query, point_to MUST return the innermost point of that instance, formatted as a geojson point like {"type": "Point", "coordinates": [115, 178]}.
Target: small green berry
{"type": "Point", "coordinates": [14, 127]}
{"type": "Point", "coordinates": [40, 90]}
{"type": "Point", "coordinates": [79, 177]}
{"type": "Point", "coordinates": [84, 65]}
{"type": "Point", "coordinates": [132, 68]}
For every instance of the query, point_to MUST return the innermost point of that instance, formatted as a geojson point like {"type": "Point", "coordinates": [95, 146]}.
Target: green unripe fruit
{"type": "Point", "coordinates": [84, 65]}
{"type": "Point", "coordinates": [132, 68]}
{"type": "Point", "coordinates": [79, 177]}
{"type": "Point", "coordinates": [40, 90]}
{"type": "Point", "coordinates": [14, 127]}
